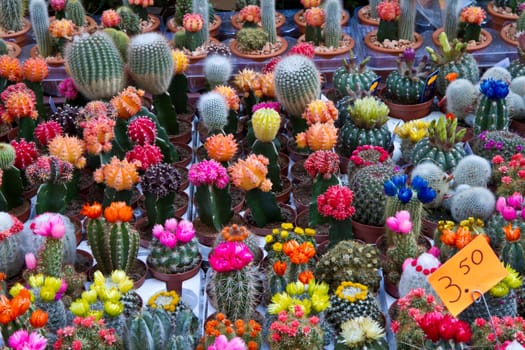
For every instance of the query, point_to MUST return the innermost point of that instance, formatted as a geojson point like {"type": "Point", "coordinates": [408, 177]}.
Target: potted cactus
{"type": "Point", "coordinates": [248, 330]}
{"type": "Point", "coordinates": [405, 93]}
{"type": "Point", "coordinates": [492, 113]}
{"type": "Point", "coordinates": [352, 76]}
{"type": "Point", "coordinates": [89, 333]}
{"type": "Point", "coordinates": [249, 16]}
{"type": "Point", "coordinates": [410, 133]}
{"type": "Point", "coordinates": [174, 255]}
{"type": "Point", "coordinates": [336, 205]}
{"type": "Point", "coordinates": [300, 20]}
{"type": "Point", "coordinates": [13, 25]}
{"type": "Point", "coordinates": [119, 178]}
{"type": "Point", "coordinates": [183, 7]}
{"type": "Point", "coordinates": [371, 335]}
{"type": "Point", "coordinates": [502, 11]}
{"type": "Point", "coordinates": [12, 189]}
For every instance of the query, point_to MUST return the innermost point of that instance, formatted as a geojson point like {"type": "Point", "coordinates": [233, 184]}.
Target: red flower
{"type": "Point", "coordinates": [448, 327]}
{"type": "Point", "coordinates": [430, 324]}
{"type": "Point", "coordinates": [325, 163]}
{"type": "Point", "coordinates": [463, 332]}
{"type": "Point", "coordinates": [336, 202]}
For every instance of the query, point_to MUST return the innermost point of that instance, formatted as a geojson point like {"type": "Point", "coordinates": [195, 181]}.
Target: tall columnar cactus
{"type": "Point", "coordinates": [407, 20]}
{"type": "Point", "coordinates": [268, 19]}
{"type": "Point", "coordinates": [332, 28]}
{"type": "Point", "coordinates": [113, 241]}
{"type": "Point", "coordinates": [297, 83]}
{"type": "Point", "coordinates": [129, 21]}
{"type": "Point", "coordinates": [201, 7]}
{"type": "Point", "coordinates": [492, 113]}
{"type": "Point", "coordinates": [40, 24]}
{"type": "Point", "coordinates": [407, 84]}
{"type": "Point", "coordinates": [11, 15]}
{"type": "Point", "coordinates": [520, 23]}
{"type": "Point", "coordinates": [450, 24]}
{"type": "Point", "coordinates": [352, 76]}
{"type": "Point", "coordinates": [442, 146]}
{"type": "Point", "coordinates": [95, 66]}
{"type": "Point", "coordinates": [75, 12]}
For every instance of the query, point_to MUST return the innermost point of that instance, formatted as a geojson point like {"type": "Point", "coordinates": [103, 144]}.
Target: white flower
{"type": "Point", "coordinates": [352, 333]}
{"type": "Point", "coordinates": [371, 328]}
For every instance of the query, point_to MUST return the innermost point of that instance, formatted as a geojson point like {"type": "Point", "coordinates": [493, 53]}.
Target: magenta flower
{"type": "Point", "coordinates": [511, 207]}
{"type": "Point", "coordinates": [30, 261]}
{"type": "Point", "coordinates": [270, 104]}
{"type": "Point", "coordinates": [174, 232]}
{"type": "Point", "coordinates": [168, 239]}
{"type": "Point", "coordinates": [230, 256]}
{"type": "Point", "coordinates": [185, 231]}
{"type": "Point", "coordinates": [58, 5]}
{"type": "Point", "coordinates": [22, 340]}
{"type": "Point", "coordinates": [68, 89]}
{"type": "Point", "coordinates": [400, 223]}
{"type": "Point", "coordinates": [53, 228]}
{"type": "Point", "coordinates": [209, 172]}
{"type": "Point", "coordinates": [171, 224]}
{"type": "Point", "coordinates": [222, 343]}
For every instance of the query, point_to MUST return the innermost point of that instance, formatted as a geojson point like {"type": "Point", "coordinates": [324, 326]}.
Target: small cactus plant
{"type": "Point", "coordinates": [436, 178]}
{"type": "Point", "coordinates": [352, 76]}
{"type": "Point", "coordinates": [416, 271]}
{"type": "Point", "coordinates": [129, 21]}
{"type": "Point", "coordinates": [251, 39]}
{"type": "Point", "coordinates": [407, 19]}
{"type": "Point", "coordinates": [473, 170]}
{"type": "Point", "coordinates": [462, 98]}
{"type": "Point", "coordinates": [217, 70]}
{"type": "Point", "coordinates": [388, 12]}
{"type": "Point", "coordinates": [213, 111]}
{"type": "Point", "coordinates": [11, 15]}
{"type": "Point", "coordinates": [160, 183]}
{"type": "Point", "coordinates": [499, 142]}
{"type": "Point", "coordinates": [121, 41]}
{"type": "Point", "coordinates": [75, 12]}
{"type": "Point", "coordinates": [12, 187]}
{"type": "Point", "coordinates": [478, 202]}
{"type": "Point", "coordinates": [492, 113]}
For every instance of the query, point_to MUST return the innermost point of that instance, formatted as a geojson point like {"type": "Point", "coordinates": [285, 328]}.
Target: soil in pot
{"type": "Point", "coordinates": [345, 45]}
{"type": "Point", "coordinates": [484, 40]}
{"type": "Point", "coordinates": [391, 46]}
{"type": "Point", "coordinates": [185, 154]}
{"type": "Point", "coordinates": [508, 34]}
{"type": "Point", "coordinates": [365, 18]}
{"type": "Point", "coordinates": [288, 214]}
{"type": "Point", "coordinates": [269, 50]}
{"type": "Point", "coordinates": [184, 135]}
{"type": "Point", "coordinates": [207, 235]}
{"type": "Point", "coordinates": [321, 231]}
{"type": "Point", "coordinates": [299, 174]}
{"type": "Point", "coordinates": [500, 15]}
{"type": "Point", "coordinates": [19, 37]}
{"type": "Point", "coordinates": [302, 195]}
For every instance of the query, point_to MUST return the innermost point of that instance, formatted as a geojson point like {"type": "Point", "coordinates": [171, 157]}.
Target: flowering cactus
{"type": "Point", "coordinates": [319, 111]}
{"type": "Point", "coordinates": [314, 17]}
{"type": "Point", "coordinates": [471, 19]}
{"type": "Point", "coordinates": [69, 149]}
{"type": "Point", "coordinates": [98, 134]}
{"type": "Point", "coordinates": [110, 18]}
{"type": "Point", "coordinates": [221, 148]}
{"type": "Point", "coordinates": [319, 136]}
{"type": "Point", "coordinates": [10, 68]}
{"type": "Point", "coordinates": [192, 24]}
{"type": "Point", "coordinates": [35, 70]}
{"type": "Point", "coordinates": [51, 256]}
{"type": "Point", "coordinates": [388, 13]}
{"type": "Point", "coordinates": [250, 16]}
{"type": "Point", "coordinates": [128, 102]}
{"type": "Point", "coordinates": [20, 102]}
{"type": "Point", "coordinates": [61, 29]}
{"type": "Point", "coordinates": [47, 131]}
{"type": "Point", "coordinates": [26, 153]}
{"type": "Point", "coordinates": [11, 186]}
{"type": "Point", "coordinates": [142, 130]}
{"type": "Point", "coordinates": [146, 156]}
{"type": "Point", "coordinates": [213, 193]}
{"type": "Point", "coordinates": [119, 176]}
{"type": "Point", "coordinates": [160, 183]}
{"type": "Point", "coordinates": [336, 204]}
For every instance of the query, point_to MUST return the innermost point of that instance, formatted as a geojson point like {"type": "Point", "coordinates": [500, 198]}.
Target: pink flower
{"type": "Point", "coordinates": [501, 203]}
{"type": "Point", "coordinates": [516, 200]}
{"type": "Point", "coordinates": [58, 5]}
{"type": "Point", "coordinates": [434, 251]}
{"type": "Point", "coordinates": [158, 230]}
{"type": "Point", "coordinates": [68, 89]}
{"type": "Point", "coordinates": [18, 339]}
{"type": "Point", "coordinates": [508, 213]}
{"type": "Point", "coordinates": [170, 224]}
{"type": "Point", "coordinates": [53, 228]}
{"type": "Point", "coordinates": [506, 180]}
{"type": "Point", "coordinates": [76, 344]}
{"type": "Point", "coordinates": [222, 343]}
{"type": "Point", "coordinates": [400, 223]}
{"type": "Point", "coordinates": [230, 256]}
{"type": "Point", "coordinates": [209, 172]}
{"type": "Point", "coordinates": [185, 231]}
{"type": "Point", "coordinates": [168, 239]}
{"type": "Point", "coordinates": [30, 261]}
{"type": "Point", "coordinates": [22, 340]}
{"type": "Point", "coordinates": [394, 326]}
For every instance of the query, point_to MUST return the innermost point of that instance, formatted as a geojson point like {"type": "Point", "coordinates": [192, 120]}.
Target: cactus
{"type": "Point", "coordinates": [11, 255]}
{"type": "Point", "coordinates": [113, 241]}
{"type": "Point", "coordinates": [40, 24]}
{"type": "Point", "coordinates": [129, 21]}
{"type": "Point", "coordinates": [268, 19]}
{"type": "Point", "coordinates": [462, 98]}
{"type": "Point", "coordinates": [492, 113]}
{"type": "Point", "coordinates": [442, 146]}
{"type": "Point", "coordinates": [3, 47]}
{"type": "Point", "coordinates": [369, 197]}
{"type": "Point", "coordinates": [217, 70]}
{"type": "Point", "coordinates": [415, 274]}
{"type": "Point", "coordinates": [436, 178]}
{"type": "Point", "coordinates": [473, 171]}
{"type": "Point", "coordinates": [477, 202]}
{"type": "Point", "coordinates": [179, 39]}
{"type": "Point", "coordinates": [407, 84]}
{"type": "Point", "coordinates": [332, 30]}
{"type": "Point", "coordinates": [201, 7]}
{"type": "Point", "coordinates": [451, 24]}
{"type": "Point", "coordinates": [497, 73]}
{"type": "Point", "coordinates": [297, 83]}
{"type": "Point", "coordinates": [251, 39]}
{"type": "Point", "coordinates": [12, 187]}
{"type": "Point", "coordinates": [182, 7]}
{"type": "Point", "coordinates": [236, 233]}
{"type": "Point", "coordinates": [504, 143]}
{"type": "Point", "coordinates": [352, 77]}
{"type": "Point", "coordinates": [213, 111]}
{"type": "Point", "coordinates": [57, 317]}
{"type": "Point", "coordinates": [366, 126]}
{"type": "Point", "coordinates": [516, 105]}
{"type": "Point", "coordinates": [407, 20]}
{"type": "Point", "coordinates": [121, 41]}
{"type": "Point", "coordinates": [454, 59]}
{"type": "Point", "coordinates": [75, 12]}
{"type": "Point", "coordinates": [11, 15]}
{"type": "Point", "coordinates": [67, 117]}
{"type": "Point", "coordinates": [95, 66]}
{"type": "Point", "coordinates": [350, 260]}
{"type": "Point", "coordinates": [149, 330]}
{"type": "Point", "coordinates": [160, 182]}
{"type": "Point", "coordinates": [352, 300]}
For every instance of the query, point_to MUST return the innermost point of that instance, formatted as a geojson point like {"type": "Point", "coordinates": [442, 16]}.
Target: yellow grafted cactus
{"type": "Point", "coordinates": [319, 136]}
{"type": "Point", "coordinates": [70, 149]}
{"type": "Point", "coordinates": [62, 28]}
{"type": "Point", "coordinates": [118, 174]}
{"type": "Point", "coordinates": [266, 123]}
{"type": "Point", "coordinates": [250, 173]}
{"type": "Point", "coordinates": [319, 111]}
{"type": "Point", "coordinates": [180, 61]}
{"type": "Point", "coordinates": [128, 102]}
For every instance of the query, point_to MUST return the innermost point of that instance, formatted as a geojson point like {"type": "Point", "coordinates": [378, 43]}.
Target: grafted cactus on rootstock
{"type": "Point", "coordinates": [160, 183]}
{"type": "Point", "coordinates": [113, 241]}
{"type": "Point", "coordinates": [202, 8]}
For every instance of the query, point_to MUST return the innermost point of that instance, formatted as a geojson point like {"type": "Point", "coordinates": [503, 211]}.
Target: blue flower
{"type": "Point", "coordinates": [494, 89]}
{"type": "Point", "coordinates": [426, 195]}
{"type": "Point", "coordinates": [418, 183]}
{"type": "Point", "coordinates": [390, 188]}
{"type": "Point", "coordinates": [400, 180]}
{"type": "Point", "coordinates": [405, 195]}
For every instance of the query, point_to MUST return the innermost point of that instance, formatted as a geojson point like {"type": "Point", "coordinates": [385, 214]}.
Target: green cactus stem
{"type": "Point", "coordinates": [178, 94]}
{"type": "Point", "coordinates": [320, 185]}
{"type": "Point", "coordinates": [3, 47]}
{"type": "Point", "coordinates": [470, 31]}
{"type": "Point", "coordinates": [270, 151]}
{"type": "Point", "coordinates": [268, 19]}
{"type": "Point", "coordinates": [492, 112]}
{"type": "Point", "coordinates": [214, 205]}
{"type": "Point", "coordinates": [12, 186]}
{"type": "Point", "coordinates": [26, 128]}
{"type": "Point", "coordinates": [39, 95]}
{"type": "Point", "coordinates": [514, 255]}
{"type": "Point", "coordinates": [75, 12]}
{"type": "Point", "coordinates": [263, 207]}
{"type": "Point", "coordinates": [352, 76]}
{"type": "Point", "coordinates": [313, 34]}
{"type": "Point", "coordinates": [340, 230]}
{"type": "Point", "coordinates": [372, 4]}
{"type": "Point", "coordinates": [11, 15]}
{"type": "Point", "coordinates": [129, 21]}
{"type": "Point", "coordinates": [332, 30]}
{"type": "Point", "coordinates": [40, 25]}
{"type": "Point", "coordinates": [387, 30]}
{"type": "Point", "coordinates": [51, 198]}
{"type": "Point", "coordinates": [407, 20]}
{"type": "Point", "coordinates": [51, 257]}
{"type": "Point", "coordinates": [166, 113]}
{"type": "Point", "coordinates": [450, 24]}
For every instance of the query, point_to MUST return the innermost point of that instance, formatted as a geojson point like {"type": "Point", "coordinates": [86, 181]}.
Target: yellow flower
{"type": "Point", "coordinates": [102, 292]}
{"type": "Point", "coordinates": [287, 226]}
{"type": "Point", "coordinates": [320, 302]}
{"type": "Point", "coordinates": [181, 61]}
{"type": "Point", "coordinates": [97, 314]}
{"type": "Point", "coordinates": [113, 308]}
{"type": "Point", "coordinates": [53, 283]}
{"type": "Point", "coordinates": [284, 234]}
{"type": "Point", "coordinates": [351, 291]}
{"type": "Point", "coordinates": [113, 295]}
{"type": "Point", "coordinates": [15, 290]}
{"type": "Point", "coordinates": [90, 296]}
{"type": "Point", "coordinates": [305, 303]}
{"type": "Point", "coordinates": [47, 293]}
{"type": "Point", "coordinates": [167, 300]}
{"type": "Point", "coordinates": [99, 279]}
{"type": "Point", "coordinates": [299, 230]}
{"type": "Point", "coordinates": [36, 281]}
{"type": "Point", "coordinates": [295, 288]}
{"type": "Point", "coordinates": [280, 302]}
{"type": "Point", "coordinates": [268, 238]}
{"type": "Point", "coordinates": [79, 307]}
{"type": "Point", "coordinates": [275, 231]}
{"type": "Point", "coordinates": [309, 232]}
{"type": "Point", "coordinates": [277, 247]}
{"type": "Point", "coordinates": [317, 287]}
{"type": "Point", "coordinates": [266, 123]}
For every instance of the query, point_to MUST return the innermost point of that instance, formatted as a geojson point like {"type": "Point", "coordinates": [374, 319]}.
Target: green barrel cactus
{"type": "Point", "coordinates": [352, 76]}
{"type": "Point", "coordinates": [492, 113]}
{"type": "Point", "coordinates": [75, 12]}
{"type": "Point", "coordinates": [121, 41]}
{"type": "Point", "coordinates": [406, 85]}
{"type": "Point", "coordinates": [129, 21]}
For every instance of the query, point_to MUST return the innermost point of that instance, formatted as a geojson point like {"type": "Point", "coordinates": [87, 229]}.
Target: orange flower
{"type": "Point", "coordinates": [448, 237]}
{"type": "Point", "coordinates": [38, 318]}
{"type": "Point", "coordinates": [220, 317]}
{"type": "Point", "coordinates": [10, 68]}
{"type": "Point", "coordinates": [221, 147]}
{"type": "Point", "coordinates": [35, 69]}
{"type": "Point", "coordinates": [464, 237]}
{"type": "Point", "coordinates": [235, 233]}
{"type": "Point", "coordinates": [310, 3]}
{"type": "Point", "coordinates": [314, 16]}
{"type": "Point", "coordinates": [6, 313]}
{"type": "Point", "coordinates": [69, 149]}
{"type": "Point", "coordinates": [290, 246]}
{"type": "Point", "coordinates": [118, 212]}
{"type": "Point", "coordinates": [3, 276]}
{"type": "Point", "coordinates": [19, 102]}
{"type": "Point", "coordinates": [473, 15]}
{"type": "Point", "coordinates": [92, 211]}
{"type": "Point", "coordinates": [388, 10]}
{"type": "Point", "coordinates": [512, 234]}
{"type": "Point", "coordinates": [118, 174]}
{"type": "Point", "coordinates": [450, 116]}
{"type": "Point", "coordinates": [250, 13]}
{"type": "Point", "coordinates": [230, 95]}
{"type": "Point", "coordinates": [306, 276]}
{"type": "Point", "coordinates": [128, 102]}
{"type": "Point", "coordinates": [450, 77]}
{"type": "Point", "coordinates": [21, 303]}
{"type": "Point", "coordinates": [319, 111]}
{"type": "Point", "coordinates": [302, 254]}
{"type": "Point", "coordinates": [279, 267]}
{"type": "Point", "coordinates": [252, 345]}
{"type": "Point", "coordinates": [62, 28]}
{"type": "Point", "coordinates": [319, 136]}
{"type": "Point", "coordinates": [250, 173]}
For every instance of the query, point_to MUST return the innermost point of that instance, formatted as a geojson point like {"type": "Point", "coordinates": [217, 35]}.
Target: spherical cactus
{"type": "Point", "coordinates": [462, 97]}
{"type": "Point", "coordinates": [473, 171]}
{"type": "Point", "coordinates": [7, 156]}
{"type": "Point", "coordinates": [217, 70]}
{"type": "Point", "coordinates": [67, 117]}
{"type": "Point", "coordinates": [150, 62]}
{"type": "Point", "coordinates": [129, 21]}
{"type": "Point", "coordinates": [415, 274]}
{"type": "Point", "coordinates": [436, 178]}
{"type": "Point", "coordinates": [477, 202]}
{"type": "Point", "coordinates": [121, 41]}
{"type": "Point", "coordinates": [213, 111]}
{"type": "Point", "coordinates": [11, 15]}
{"type": "Point", "coordinates": [11, 255]}
{"type": "Point", "coordinates": [142, 130]}
{"type": "Point", "coordinates": [297, 83]}
{"type": "Point", "coordinates": [353, 77]}
{"type": "Point", "coordinates": [95, 66]}
{"type": "Point", "coordinates": [516, 104]}
{"type": "Point", "coordinates": [403, 89]}
{"type": "Point", "coordinates": [40, 24]}
{"type": "Point", "coordinates": [332, 31]}
{"type": "Point", "coordinates": [75, 12]}
{"type": "Point", "coordinates": [251, 39]}
{"type": "Point", "coordinates": [497, 73]}
{"type": "Point", "coordinates": [504, 143]}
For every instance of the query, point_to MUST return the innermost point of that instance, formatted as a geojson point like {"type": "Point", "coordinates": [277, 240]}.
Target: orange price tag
{"type": "Point", "coordinates": [474, 268]}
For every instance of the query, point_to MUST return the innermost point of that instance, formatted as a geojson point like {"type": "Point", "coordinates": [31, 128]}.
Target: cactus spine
{"type": "Point", "coordinates": [75, 12]}
{"type": "Point", "coordinates": [129, 21]}
{"type": "Point", "coordinates": [11, 15]}
{"type": "Point", "coordinates": [201, 7]}
{"type": "Point", "coordinates": [217, 70]}
{"type": "Point", "coordinates": [450, 24]}
{"type": "Point", "coordinates": [121, 41]}
{"type": "Point", "coordinates": [40, 24]}
{"type": "Point", "coordinates": [332, 30]}
{"type": "Point", "coordinates": [407, 20]}
{"type": "Point", "coordinates": [95, 66]}
{"type": "Point", "coordinates": [268, 19]}
{"type": "Point", "coordinates": [477, 202]}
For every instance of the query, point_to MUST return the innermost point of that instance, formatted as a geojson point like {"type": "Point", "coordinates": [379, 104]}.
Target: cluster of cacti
{"type": "Point", "coordinates": [96, 66]}
{"type": "Point", "coordinates": [352, 300]}
{"type": "Point", "coordinates": [11, 257]}
{"type": "Point", "coordinates": [45, 289]}
{"type": "Point", "coordinates": [436, 178]}
{"type": "Point", "coordinates": [350, 260]}
{"type": "Point", "coordinates": [113, 241]}
{"type": "Point", "coordinates": [416, 271]}
{"type": "Point", "coordinates": [369, 197]}
{"type": "Point", "coordinates": [366, 126]}
{"type": "Point", "coordinates": [268, 19]}
{"type": "Point", "coordinates": [472, 170]}
{"type": "Point", "coordinates": [498, 142]}
{"type": "Point", "coordinates": [352, 77]}
{"type": "Point", "coordinates": [75, 12]}
{"type": "Point", "coordinates": [217, 70]}
{"type": "Point", "coordinates": [11, 15]}
{"type": "Point", "coordinates": [511, 4]}
{"type": "Point", "coordinates": [236, 233]}
{"type": "Point", "coordinates": [297, 83]}
{"type": "Point", "coordinates": [252, 39]}
{"type": "Point", "coordinates": [462, 98]}
{"type": "Point", "coordinates": [492, 113]}
{"type": "Point", "coordinates": [407, 84]}
{"type": "Point", "coordinates": [213, 111]}
{"type": "Point", "coordinates": [478, 202]}
{"type": "Point", "coordinates": [129, 21]}
{"type": "Point", "coordinates": [442, 146]}
{"type": "Point", "coordinates": [454, 59]}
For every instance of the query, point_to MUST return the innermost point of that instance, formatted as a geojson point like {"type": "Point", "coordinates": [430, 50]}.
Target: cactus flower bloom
{"type": "Point", "coordinates": [58, 5]}
{"type": "Point", "coordinates": [250, 13]}
{"type": "Point", "coordinates": [319, 136]}
{"type": "Point", "coordinates": [319, 111]}
{"type": "Point", "coordinates": [209, 173]}
{"type": "Point", "coordinates": [110, 18]}
{"type": "Point", "coordinates": [303, 48]}
{"type": "Point", "coordinates": [314, 16]}
{"type": "Point", "coordinates": [92, 211]}
{"type": "Point", "coordinates": [400, 222]}
{"type": "Point", "coordinates": [180, 61]}
{"type": "Point", "coordinates": [325, 163]}
{"type": "Point", "coordinates": [118, 212]}
{"type": "Point", "coordinates": [22, 339]}
{"type": "Point", "coordinates": [512, 234]}
{"type": "Point", "coordinates": [494, 89]}
{"type": "Point", "coordinates": [388, 10]}
{"type": "Point", "coordinates": [35, 69]}
{"type": "Point", "coordinates": [230, 256]}
{"type": "Point", "coordinates": [473, 15]}
{"type": "Point", "coordinates": [53, 228]}
{"type": "Point", "coordinates": [98, 134]}
{"type": "Point", "coordinates": [336, 203]}
{"type": "Point", "coordinates": [221, 147]}
{"type": "Point", "coordinates": [30, 260]}
{"type": "Point", "coordinates": [68, 89]}
{"type": "Point", "coordinates": [266, 123]}
{"type": "Point", "coordinates": [310, 3]}
{"type": "Point", "coordinates": [192, 22]}
{"type": "Point", "coordinates": [185, 231]}
{"type": "Point", "coordinates": [146, 156]}
{"type": "Point", "coordinates": [250, 173]}
{"type": "Point", "coordinates": [222, 343]}
{"type": "Point", "coordinates": [128, 102]}
{"type": "Point", "coordinates": [19, 102]}
{"type": "Point", "coordinates": [61, 28]}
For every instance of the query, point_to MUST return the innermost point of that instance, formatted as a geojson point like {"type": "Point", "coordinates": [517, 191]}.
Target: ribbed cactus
{"type": "Point", "coordinates": [95, 66]}
{"type": "Point", "coordinates": [407, 19]}
{"type": "Point", "coordinates": [75, 12]}
{"type": "Point", "coordinates": [332, 28]}
{"type": "Point", "coordinates": [492, 113]}
{"type": "Point", "coordinates": [182, 257]}
{"type": "Point", "coordinates": [352, 76]}
{"type": "Point", "coordinates": [487, 145]}
{"type": "Point", "coordinates": [179, 39]}
{"type": "Point", "coordinates": [217, 70]}
{"type": "Point", "coordinates": [11, 255]}
{"type": "Point", "coordinates": [40, 24]}
{"type": "Point", "coordinates": [251, 39]}
{"type": "Point", "coordinates": [213, 111]}
{"type": "Point", "coordinates": [462, 98]}
{"type": "Point", "coordinates": [477, 202]}
{"type": "Point", "coordinates": [407, 84]}
{"type": "Point", "coordinates": [129, 21]}
{"type": "Point", "coordinates": [11, 15]}
{"type": "Point", "coordinates": [121, 41]}
{"type": "Point", "coordinates": [520, 23]}
{"type": "Point", "coordinates": [12, 187]}
{"type": "Point", "coordinates": [182, 7]}
{"type": "Point", "coordinates": [473, 170]}
{"type": "Point", "coordinates": [201, 7]}
{"type": "Point", "coordinates": [450, 23]}
{"type": "Point", "coordinates": [3, 47]}
{"type": "Point", "coordinates": [297, 83]}
{"type": "Point", "coordinates": [268, 19]}
{"type": "Point", "coordinates": [442, 146]}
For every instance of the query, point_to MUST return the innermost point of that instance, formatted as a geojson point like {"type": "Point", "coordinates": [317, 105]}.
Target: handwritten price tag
{"type": "Point", "coordinates": [473, 268]}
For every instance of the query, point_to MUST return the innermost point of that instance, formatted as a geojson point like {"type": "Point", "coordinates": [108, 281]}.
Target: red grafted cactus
{"type": "Point", "coordinates": [325, 163]}
{"type": "Point", "coordinates": [46, 131]}
{"type": "Point", "coordinates": [26, 153]}
{"type": "Point", "coordinates": [142, 130]}
{"type": "Point", "coordinates": [147, 155]}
